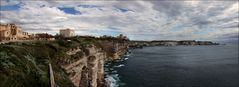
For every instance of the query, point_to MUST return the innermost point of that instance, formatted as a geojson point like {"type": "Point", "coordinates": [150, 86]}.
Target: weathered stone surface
{"type": "Point", "coordinates": [88, 71]}
{"type": "Point", "coordinates": [12, 32]}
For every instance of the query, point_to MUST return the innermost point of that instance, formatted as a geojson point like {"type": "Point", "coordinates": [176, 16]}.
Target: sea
{"type": "Point", "coordinates": [176, 66]}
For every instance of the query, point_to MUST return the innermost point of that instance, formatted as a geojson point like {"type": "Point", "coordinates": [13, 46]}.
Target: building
{"type": "Point", "coordinates": [44, 36]}
{"type": "Point", "coordinates": [67, 32]}
{"type": "Point", "coordinates": [121, 36]}
{"type": "Point", "coordinates": [11, 32]}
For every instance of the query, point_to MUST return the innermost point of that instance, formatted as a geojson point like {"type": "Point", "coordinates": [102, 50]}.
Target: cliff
{"type": "Point", "coordinates": [141, 44]}
{"type": "Point", "coordinates": [88, 69]}
{"type": "Point", "coordinates": [76, 62]}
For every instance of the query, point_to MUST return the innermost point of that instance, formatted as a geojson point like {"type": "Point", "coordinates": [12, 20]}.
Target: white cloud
{"type": "Point", "coordinates": [138, 19]}
{"type": "Point", "coordinates": [5, 2]}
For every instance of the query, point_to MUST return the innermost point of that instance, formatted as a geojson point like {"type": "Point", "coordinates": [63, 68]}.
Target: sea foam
{"type": "Point", "coordinates": [121, 65]}
{"type": "Point", "coordinates": [112, 80]}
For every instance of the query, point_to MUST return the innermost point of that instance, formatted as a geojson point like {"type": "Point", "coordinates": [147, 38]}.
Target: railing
{"type": "Point", "coordinates": [51, 76]}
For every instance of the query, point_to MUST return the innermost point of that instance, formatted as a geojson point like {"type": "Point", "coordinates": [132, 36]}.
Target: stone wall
{"type": "Point", "coordinates": [12, 32]}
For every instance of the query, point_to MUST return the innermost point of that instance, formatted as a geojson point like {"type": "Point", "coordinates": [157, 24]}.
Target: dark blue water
{"type": "Point", "coordinates": [180, 66]}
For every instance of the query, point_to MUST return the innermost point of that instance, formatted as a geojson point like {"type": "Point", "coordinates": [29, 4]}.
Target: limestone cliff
{"type": "Point", "coordinates": [76, 62]}
{"type": "Point", "coordinates": [88, 70]}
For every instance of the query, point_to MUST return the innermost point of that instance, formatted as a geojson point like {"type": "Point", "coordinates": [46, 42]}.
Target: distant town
{"type": "Point", "coordinates": [14, 33]}
{"type": "Point", "coordinates": [87, 54]}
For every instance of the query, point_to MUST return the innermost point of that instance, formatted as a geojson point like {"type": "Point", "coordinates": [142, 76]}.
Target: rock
{"type": "Point", "coordinates": [88, 71]}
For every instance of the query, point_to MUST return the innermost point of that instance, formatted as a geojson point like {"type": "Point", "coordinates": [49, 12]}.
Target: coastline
{"type": "Point", "coordinates": [112, 79]}
{"type": "Point", "coordinates": [180, 64]}
{"type": "Point", "coordinates": [82, 59]}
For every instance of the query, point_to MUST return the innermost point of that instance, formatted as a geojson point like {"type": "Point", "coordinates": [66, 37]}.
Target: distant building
{"type": "Point", "coordinates": [106, 36]}
{"type": "Point", "coordinates": [10, 32]}
{"type": "Point", "coordinates": [67, 32]}
{"type": "Point", "coordinates": [121, 36]}
{"type": "Point", "coordinates": [43, 36]}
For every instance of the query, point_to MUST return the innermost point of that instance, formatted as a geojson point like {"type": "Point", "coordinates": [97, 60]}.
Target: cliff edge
{"type": "Point", "coordinates": [76, 62]}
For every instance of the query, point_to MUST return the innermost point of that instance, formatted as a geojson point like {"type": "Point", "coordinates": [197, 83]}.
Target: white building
{"type": "Point", "coordinates": [67, 32]}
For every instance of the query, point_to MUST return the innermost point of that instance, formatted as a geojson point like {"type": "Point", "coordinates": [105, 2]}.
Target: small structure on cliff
{"type": "Point", "coordinates": [11, 32]}
{"type": "Point", "coordinates": [67, 32]}
{"type": "Point", "coordinates": [121, 36]}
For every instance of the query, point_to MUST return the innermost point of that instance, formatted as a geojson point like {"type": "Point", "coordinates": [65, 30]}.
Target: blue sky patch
{"type": "Point", "coordinates": [89, 6]}
{"type": "Point", "coordinates": [111, 33]}
{"type": "Point", "coordinates": [9, 7]}
{"type": "Point", "coordinates": [69, 10]}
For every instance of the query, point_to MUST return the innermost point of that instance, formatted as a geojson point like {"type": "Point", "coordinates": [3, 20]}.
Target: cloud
{"type": "Point", "coordinates": [140, 20]}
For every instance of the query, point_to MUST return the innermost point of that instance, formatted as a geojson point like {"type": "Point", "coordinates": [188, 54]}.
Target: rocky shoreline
{"type": "Point", "coordinates": [141, 44]}
{"type": "Point", "coordinates": [76, 62]}
{"type": "Point", "coordinates": [88, 71]}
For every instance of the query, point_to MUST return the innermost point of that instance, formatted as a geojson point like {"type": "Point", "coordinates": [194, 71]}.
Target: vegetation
{"type": "Point", "coordinates": [26, 64]}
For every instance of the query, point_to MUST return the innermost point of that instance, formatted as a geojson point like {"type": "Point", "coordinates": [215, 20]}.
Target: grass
{"type": "Point", "coordinates": [25, 64]}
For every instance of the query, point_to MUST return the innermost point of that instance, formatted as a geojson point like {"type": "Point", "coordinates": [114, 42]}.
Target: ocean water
{"type": "Point", "coordinates": [178, 66]}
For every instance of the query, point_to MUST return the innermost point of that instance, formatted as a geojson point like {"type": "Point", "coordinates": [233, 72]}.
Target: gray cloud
{"type": "Point", "coordinates": [146, 20]}
{"type": "Point", "coordinates": [171, 8]}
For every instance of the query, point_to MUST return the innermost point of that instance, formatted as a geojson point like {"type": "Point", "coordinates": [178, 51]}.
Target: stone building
{"type": "Point", "coordinates": [67, 32]}
{"type": "Point", "coordinates": [10, 32]}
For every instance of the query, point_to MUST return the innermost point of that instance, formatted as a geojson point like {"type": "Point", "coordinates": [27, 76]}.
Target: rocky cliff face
{"type": "Point", "coordinates": [141, 44]}
{"type": "Point", "coordinates": [76, 62]}
{"type": "Point", "coordinates": [88, 70]}
{"type": "Point", "coordinates": [114, 49]}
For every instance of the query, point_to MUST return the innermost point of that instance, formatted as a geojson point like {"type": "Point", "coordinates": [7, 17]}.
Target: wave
{"type": "Point", "coordinates": [112, 80]}
{"type": "Point", "coordinates": [121, 65]}
{"type": "Point", "coordinates": [127, 55]}
{"type": "Point", "coordinates": [114, 71]}
{"type": "Point", "coordinates": [126, 58]}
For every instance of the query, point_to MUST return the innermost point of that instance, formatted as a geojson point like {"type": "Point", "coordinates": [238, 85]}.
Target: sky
{"type": "Point", "coordinates": [138, 19]}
